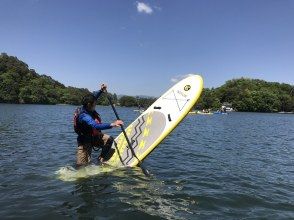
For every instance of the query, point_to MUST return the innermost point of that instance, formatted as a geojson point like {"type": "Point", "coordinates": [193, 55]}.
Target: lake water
{"type": "Point", "coordinates": [232, 166]}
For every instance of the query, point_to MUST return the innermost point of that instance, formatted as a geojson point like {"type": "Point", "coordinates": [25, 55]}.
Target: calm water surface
{"type": "Point", "coordinates": [236, 166]}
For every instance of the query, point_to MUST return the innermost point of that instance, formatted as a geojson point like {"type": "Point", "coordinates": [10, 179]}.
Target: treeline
{"type": "Point", "coordinates": [19, 84]}
{"type": "Point", "coordinates": [250, 95]}
{"type": "Point", "coordinates": [140, 102]}
{"type": "Point", "coordinates": [127, 101]}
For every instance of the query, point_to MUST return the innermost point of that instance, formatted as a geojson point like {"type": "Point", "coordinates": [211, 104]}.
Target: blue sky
{"type": "Point", "coordinates": [142, 47]}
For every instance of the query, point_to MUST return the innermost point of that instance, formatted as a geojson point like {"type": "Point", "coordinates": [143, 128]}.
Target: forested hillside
{"type": "Point", "coordinates": [19, 84]}
{"type": "Point", "coordinates": [250, 95]}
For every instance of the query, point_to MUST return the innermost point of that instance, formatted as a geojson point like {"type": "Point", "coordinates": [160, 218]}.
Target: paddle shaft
{"type": "Point", "coordinates": [123, 130]}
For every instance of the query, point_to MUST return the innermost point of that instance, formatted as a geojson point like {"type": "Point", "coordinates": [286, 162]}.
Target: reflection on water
{"type": "Point", "coordinates": [141, 193]}
{"type": "Point", "coordinates": [154, 198]}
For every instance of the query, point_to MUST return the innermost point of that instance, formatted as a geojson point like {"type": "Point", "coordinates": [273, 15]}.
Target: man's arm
{"type": "Point", "coordinates": [90, 121]}
{"type": "Point", "coordinates": [97, 93]}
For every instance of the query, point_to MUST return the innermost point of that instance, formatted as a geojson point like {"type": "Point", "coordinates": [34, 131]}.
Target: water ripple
{"type": "Point", "coordinates": [232, 166]}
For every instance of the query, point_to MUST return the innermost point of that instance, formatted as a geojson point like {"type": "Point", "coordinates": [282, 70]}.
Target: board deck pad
{"type": "Point", "coordinates": [153, 125]}
{"type": "Point", "coordinates": [142, 133]}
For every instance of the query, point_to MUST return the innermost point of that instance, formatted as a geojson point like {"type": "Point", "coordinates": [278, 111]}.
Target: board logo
{"type": "Point", "coordinates": [187, 87]}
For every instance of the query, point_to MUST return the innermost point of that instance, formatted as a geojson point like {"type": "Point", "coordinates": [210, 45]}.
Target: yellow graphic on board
{"type": "Point", "coordinates": [146, 132]}
{"type": "Point", "coordinates": [142, 144]}
{"type": "Point", "coordinates": [129, 130]}
{"type": "Point", "coordinates": [121, 145]}
{"type": "Point", "coordinates": [149, 120]}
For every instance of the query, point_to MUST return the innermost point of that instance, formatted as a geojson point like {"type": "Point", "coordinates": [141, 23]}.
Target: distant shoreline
{"type": "Point", "coordinates": [22, 85]}
{"type": "Point", "coordinates": [1, 103]}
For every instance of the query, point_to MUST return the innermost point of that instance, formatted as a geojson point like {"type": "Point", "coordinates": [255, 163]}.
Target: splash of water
{"type": "Point", "coordinates": [68, 173]}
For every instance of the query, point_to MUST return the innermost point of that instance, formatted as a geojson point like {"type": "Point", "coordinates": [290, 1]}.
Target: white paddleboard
{"type": "Point", "coordinates": [154, 124]}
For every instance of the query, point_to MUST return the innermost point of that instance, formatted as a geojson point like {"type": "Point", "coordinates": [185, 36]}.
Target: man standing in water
{"type": "Point", "coordinates": [88, 126]}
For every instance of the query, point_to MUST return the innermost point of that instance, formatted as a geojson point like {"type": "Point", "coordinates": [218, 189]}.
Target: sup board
{"type": "Point", "coordinates": [154, 124]}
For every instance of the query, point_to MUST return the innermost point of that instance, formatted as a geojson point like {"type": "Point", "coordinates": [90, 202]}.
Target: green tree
{"type": "Point", "coordinates": [128, 101]}
{"type": "Point", "coordinates": [9, 87]}
{"type": "Point", "coordinates": [208, 100]}
{"type": "Point", "coordinates": [19, 84]}
{"type": "Point", "coordinates": [249, 95]}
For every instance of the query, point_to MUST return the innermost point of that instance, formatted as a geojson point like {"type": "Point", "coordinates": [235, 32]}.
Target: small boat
{"type": "Point", "coordinates": [204, 113]}
{"type": "Point", "coordinates": [192, 112]}
{"type": "Point", "coordinates": [200, 113]}
{"type": "Point", "coordinates": [286, 112]}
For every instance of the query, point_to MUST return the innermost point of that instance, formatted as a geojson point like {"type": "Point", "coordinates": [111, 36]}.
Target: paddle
{"type": "Point", "coordinates": [145, 171]}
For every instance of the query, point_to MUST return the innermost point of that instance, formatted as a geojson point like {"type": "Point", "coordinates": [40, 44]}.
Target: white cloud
{"type": "Point", "coordinates": [179, 77]}
{"type": "Point", "coordinates": [144, 8]}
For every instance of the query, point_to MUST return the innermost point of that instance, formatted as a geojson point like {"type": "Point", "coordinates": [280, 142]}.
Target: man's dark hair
{"type": "Point", "coordinates": [88, 99]}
